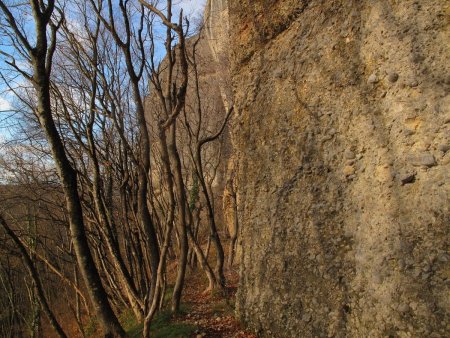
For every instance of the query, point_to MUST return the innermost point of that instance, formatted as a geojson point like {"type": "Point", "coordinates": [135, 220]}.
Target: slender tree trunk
{"type": "Point", "coordinates": [235, 230]}
{"type": "Point", "coordinates": [182, 226]}
{"type": "Point", "coordinates": [208, 247]}
{"type": "Point", "coordinates": [68, 178]}
{"type": "Point", "coordinates": [160, 284]}
{"type": "Point", "coordinates": [77, 296]}
{"type": "Point", "coordinates": [203, 262]}
{"type": "Point", "coordinates": [144, 170]}
{"type": "Point", "coordinates": [158, 296]}
{"type": "Point", "coordinates": [125, 279]}
{"type": "Point", "coordinates": [212, 222]}
{"type": "Point", "coordinates": [35, 277]}
{"type": "Point", "coordinates": [200, 256]}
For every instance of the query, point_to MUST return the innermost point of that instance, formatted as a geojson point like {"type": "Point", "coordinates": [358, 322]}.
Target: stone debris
{"type": "Point", "coordinates": [349, 155]}
{"type": "Point", "coordinates": [393, 77]}
{"type": "Point", "coordinates": [424, 159]}
{"type": "Point", "coordinates": [373, 78]}
{"type": "Point", "coordinates": [444, 147]}
{"type": "Point", "coordinates": [349, 170]}
{"type": "Point", "coordinates": [408, 178]}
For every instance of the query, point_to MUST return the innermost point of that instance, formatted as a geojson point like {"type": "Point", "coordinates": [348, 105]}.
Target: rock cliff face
{"type": "Point", "coordinates": [216, 31]}
{"type": "Point", "coordinates": [343, 188]}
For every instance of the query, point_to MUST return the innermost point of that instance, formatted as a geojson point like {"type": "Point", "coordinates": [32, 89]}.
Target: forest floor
{"type": "Point", "coordinates": [202, 316]}
{"type": "Point", "coordinates": [212, 314]}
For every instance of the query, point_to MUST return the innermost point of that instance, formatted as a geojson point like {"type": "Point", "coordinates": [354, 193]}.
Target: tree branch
{"type": "Point", "coordinates": [35, 276]}
{"type": "Point", "coordinates": [12, 22]}
{"type": "Point", "coordinates": [213, 137]}
{"type": "Point", "coordinates": [164, 19]}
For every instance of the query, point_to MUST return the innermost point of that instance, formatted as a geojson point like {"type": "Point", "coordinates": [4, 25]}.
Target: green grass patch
{"type": "Point", "coordinates": [168, 294]}
{"type": "Point", "coordinates": [129, 323]}
{"type": "Point", "coordinates": [162, 326]}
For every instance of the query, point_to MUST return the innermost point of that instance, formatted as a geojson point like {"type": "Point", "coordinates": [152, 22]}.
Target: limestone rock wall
{"type": "Point", "coordinates": [217, 35]}
{"type": "Point", "coordinates": [343, 138]}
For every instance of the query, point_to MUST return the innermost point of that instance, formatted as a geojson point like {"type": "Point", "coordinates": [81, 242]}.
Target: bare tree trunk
{"type": "Point", "coordinates": [77, 296]}
{"type": "Point", "coordinates": [68, 177]}
{"type": "Point", "coordinates": [158, 295]}
{"type": "Point", "coordinates": [235, 225]}
{"type": "Point", "coordinates": [200, 256]}
{"type": "Point", "coordinates": [35, 277]}
{"type": "Point", "coordinates": [212, 222]}
{"type": "Point", "coordinates": [41, 57]}
{"type": "Point", "coordinates": [182, 226]}
{"type": "Point", "coordinates": [144, 169]}
{"type": "Point", "coordinates": [105, 218]}
{"type": "Point", "coordinates": [208, 247]}
{"type": "Point", "coordinates": [203, 262]}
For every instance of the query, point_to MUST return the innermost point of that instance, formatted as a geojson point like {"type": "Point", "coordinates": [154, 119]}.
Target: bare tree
{"type": "Point", "coordinates": [125, 172]}
{"type": "Point", "coordinates": [77, 91]}
{"type": "Point", "coordinates": [35, 276]}
{"type": "Point", "coordinates": [198, 140]}
{"type": "Point", "coordinates": [133, 40]}
{"type": "Point", "coordinates": [47, 22]}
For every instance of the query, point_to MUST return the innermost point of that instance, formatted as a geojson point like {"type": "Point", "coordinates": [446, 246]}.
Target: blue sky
{"type": "Point", "coordinates": [4, 104]}
{"type": "Point", "coordinates": [191, 8]}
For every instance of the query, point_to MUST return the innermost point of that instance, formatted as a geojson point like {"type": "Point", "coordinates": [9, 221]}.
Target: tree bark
{"type": "Point", "coordinates": [68, 177]}
{"type": "Point", "coordinates": [182, 226]}
{"type": "Point", "coordinates": [212, 222]}
{"type": "Point", "coordinates": [36, 280]}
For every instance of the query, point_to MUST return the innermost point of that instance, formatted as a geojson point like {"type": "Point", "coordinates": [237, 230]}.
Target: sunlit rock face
{"type": "Point", "coordinates": [216, 29]}
{"type": "Point", "coordinates": [342, 136]}
{"type": "Point", "coordinates": [213, 88]}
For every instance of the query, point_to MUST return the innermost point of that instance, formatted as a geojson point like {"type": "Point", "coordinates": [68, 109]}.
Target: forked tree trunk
{"type": "Point", "coordinates": [35, 277]}
{"type": "Point", "coordinates": [200, 256]}
{"type": "Point", "coordinates": [182, 226]}
{"type": "Point", "coordinates": [68, 177]}
{"type": "Point", "coordinates": [220, 256]}
{"type": "Point", "coordinates": [144, 170]}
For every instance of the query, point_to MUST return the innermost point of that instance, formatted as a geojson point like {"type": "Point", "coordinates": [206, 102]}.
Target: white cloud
{"type": "Point", "coordinates": [4, 104]}
{"type": "Point", "coordinates": [191, 8]}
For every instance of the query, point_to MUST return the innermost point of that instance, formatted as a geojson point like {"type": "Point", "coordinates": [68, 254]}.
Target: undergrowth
{"type": "Point", "coordinates": [162, 326]}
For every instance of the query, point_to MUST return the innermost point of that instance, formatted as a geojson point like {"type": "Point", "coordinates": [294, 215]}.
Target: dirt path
{"type": "Point", "coordinates": [212, 314]}
{"type": "Point", "coordinates": [208, 315]}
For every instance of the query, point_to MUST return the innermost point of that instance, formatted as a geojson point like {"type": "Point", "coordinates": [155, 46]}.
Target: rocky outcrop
{"type": "Point", "coordinates": [343, 137]}
{"type": "Point", "coordinates": [216, 28]}
{"type": "Point", "coordinates": [216, 31]}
